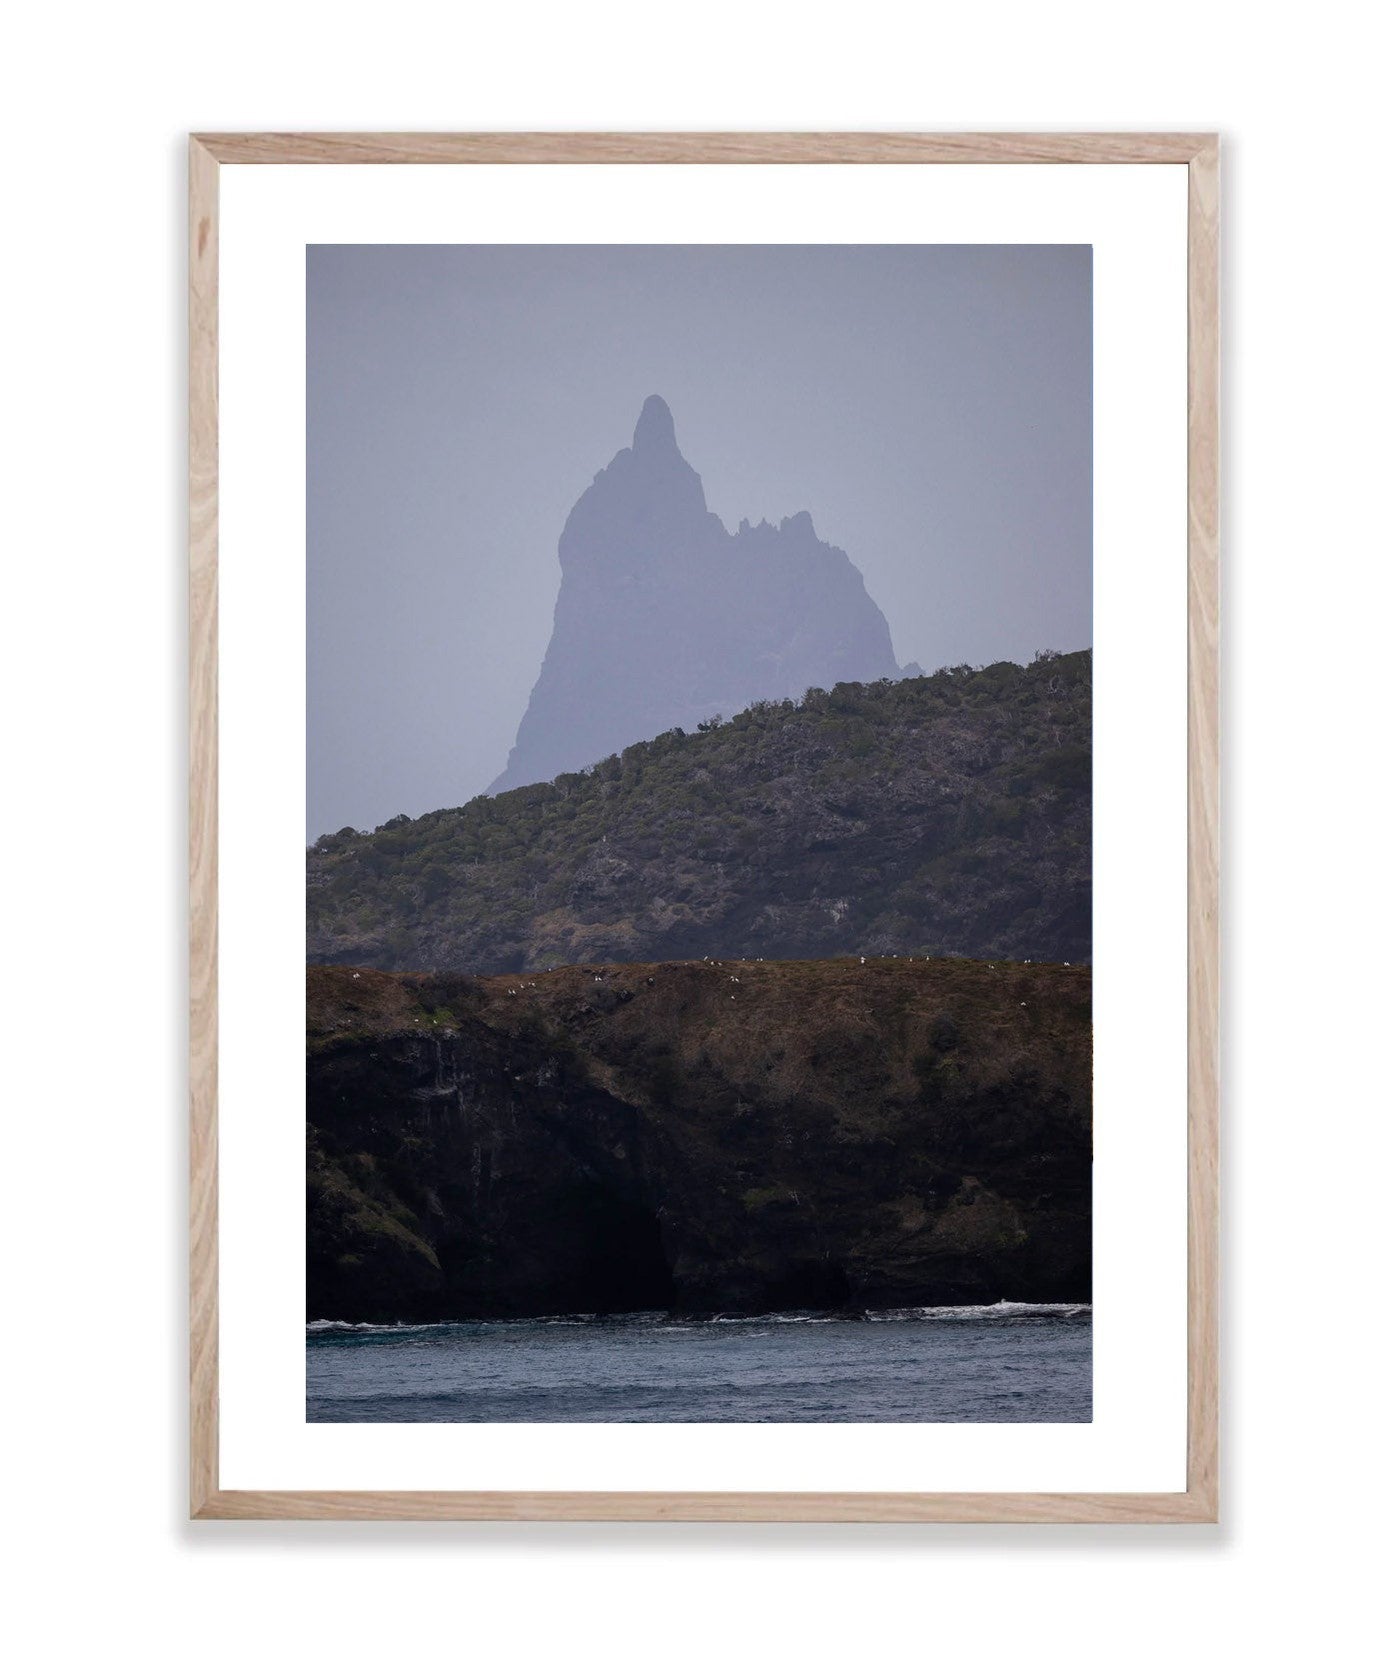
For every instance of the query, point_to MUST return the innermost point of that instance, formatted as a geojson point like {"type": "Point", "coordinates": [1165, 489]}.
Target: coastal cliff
{"type": "Point", "coordinates": [697, 1136]}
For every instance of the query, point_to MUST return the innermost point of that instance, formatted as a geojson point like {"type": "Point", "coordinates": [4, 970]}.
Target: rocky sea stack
{"type": "Point", "coordinates": [665, 618]}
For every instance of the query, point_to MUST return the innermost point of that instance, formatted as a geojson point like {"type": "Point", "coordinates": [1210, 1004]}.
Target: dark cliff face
{"type": "Point", "coordinates": [663, 618]}
{"type": "Point", "coordinates": [945, 815]}
{"type": "Point", "coordinates": [697, 1137]}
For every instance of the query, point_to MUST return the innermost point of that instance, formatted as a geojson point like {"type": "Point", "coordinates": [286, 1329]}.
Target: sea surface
{"type": "Point", "coordinates": [1005, 1363]}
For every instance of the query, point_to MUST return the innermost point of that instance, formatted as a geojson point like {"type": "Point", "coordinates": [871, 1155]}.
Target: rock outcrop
{"type": "Point", "coordinates": [664, 618]}
{"type": "Point", "coordinates": [702, 1137]}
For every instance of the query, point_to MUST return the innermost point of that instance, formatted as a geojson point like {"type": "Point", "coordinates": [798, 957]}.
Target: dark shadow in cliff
{"type": "Point", "coordinates": [626, 1269]}
{"type": "Point", "coordinates": [617, 1259]}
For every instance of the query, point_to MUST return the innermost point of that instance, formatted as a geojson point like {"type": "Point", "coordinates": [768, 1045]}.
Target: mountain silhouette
{"type": "Point", "coordinates": [665, 618]}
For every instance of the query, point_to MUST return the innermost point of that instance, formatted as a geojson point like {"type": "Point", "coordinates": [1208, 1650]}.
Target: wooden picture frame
{"type": "Point", "coordinates": [1198, 1503]}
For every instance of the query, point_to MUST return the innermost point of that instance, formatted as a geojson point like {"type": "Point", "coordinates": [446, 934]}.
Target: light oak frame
{"type": "Point", "coordinates": [1200, 154]}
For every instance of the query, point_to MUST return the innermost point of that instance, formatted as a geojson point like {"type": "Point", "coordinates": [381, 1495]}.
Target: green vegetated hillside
{"type": "Point", "coordinates": [699, 1136]}
{"type": "Point", "coordinates": [946, 815]}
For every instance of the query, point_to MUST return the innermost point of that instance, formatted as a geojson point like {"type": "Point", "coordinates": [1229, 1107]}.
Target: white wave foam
{"type": "Point", "coordinates": [1002, 1310]}
{"type": "Point", "coordinates": [975, 1314]}
{"type": "Point", "coordinates": [337, 1326]}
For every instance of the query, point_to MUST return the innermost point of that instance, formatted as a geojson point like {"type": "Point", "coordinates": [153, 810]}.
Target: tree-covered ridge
{"type": "Point", "coordinates": [946, 815]}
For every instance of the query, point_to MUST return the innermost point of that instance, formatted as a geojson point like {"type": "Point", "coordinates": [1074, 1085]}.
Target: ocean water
{"type": "Point", "coordinates": [1006, 1363]}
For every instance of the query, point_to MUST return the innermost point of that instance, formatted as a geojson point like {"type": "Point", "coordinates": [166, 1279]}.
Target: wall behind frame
{"type": "Point", "coordinates": [97, 1288]}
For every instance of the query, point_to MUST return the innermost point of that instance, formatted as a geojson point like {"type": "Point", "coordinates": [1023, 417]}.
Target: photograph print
{"type": "Point", "coordinates": [699, 834]}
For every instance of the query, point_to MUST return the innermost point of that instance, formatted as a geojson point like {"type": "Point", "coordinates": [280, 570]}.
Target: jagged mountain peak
{"type": "Point", "coordinates": [655, 428]}
{"type": "Point", "coordinates": [665, 618]}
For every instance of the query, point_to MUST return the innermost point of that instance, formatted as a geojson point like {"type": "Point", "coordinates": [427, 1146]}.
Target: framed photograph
{"type": "Point", "coordinates": [704, 826]}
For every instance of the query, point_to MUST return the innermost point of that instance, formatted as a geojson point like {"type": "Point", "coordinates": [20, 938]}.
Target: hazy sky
{"type": "Point", "coordinates": [930, 406]}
